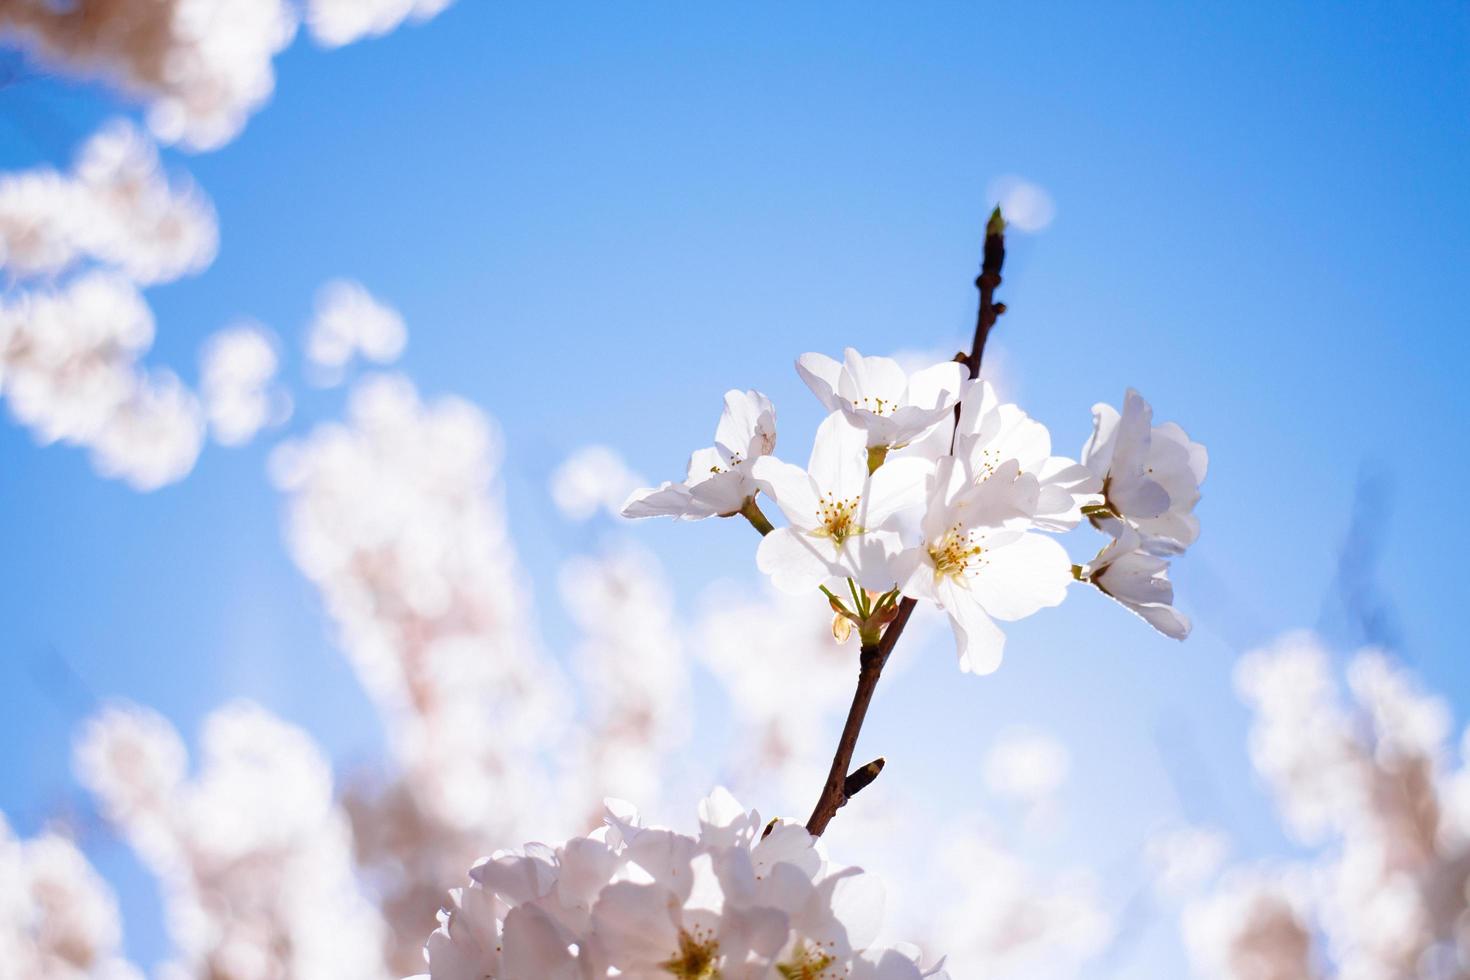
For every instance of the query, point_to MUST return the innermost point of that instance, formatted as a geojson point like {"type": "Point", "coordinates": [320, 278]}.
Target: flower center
{"type": "Point", "coordinates": [735, 460]}
{"type": "Point", "coordinates": [836, 517]}
{"type": "Point", "coordinates": [809, 964]}
{"type": "Point", "coordinates": [879, 406]}
{"type": "Point", "coordinates": [696, 959]}
{"type": "Point", "coordinates": [955, 554]}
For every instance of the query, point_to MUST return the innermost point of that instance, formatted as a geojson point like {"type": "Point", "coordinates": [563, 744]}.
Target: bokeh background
{"type": "Point", "coordinates": [594, 219]}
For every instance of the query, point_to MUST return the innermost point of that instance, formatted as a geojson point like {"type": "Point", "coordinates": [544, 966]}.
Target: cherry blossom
{"type": "Point", "coordinates": [977, 561]}
{"type": "Point", "coordinates": [842, 517]}
{"type": "Point", "coordinates": [1139, 581]}
{"type": "Point", "coordinates": [734, 902]}
{"type": "Point", "coordinates": [1151, 475]}
{"type": "Point", "coordinates": [720, 478]}
{"type": "Point", "coordinates": [989, 432]}
{"type": "Point", "coordinates": [891, 406]}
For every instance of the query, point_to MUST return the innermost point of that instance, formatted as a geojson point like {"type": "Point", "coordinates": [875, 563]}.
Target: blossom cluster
{"type": "Point", "coordinates": [742, 900]}
{"type": "Point", "coordinates": [927, 486]}
{"type": "Point", "coordinates": [202, 66]}
{"type": "Point", "coordinates": [1372, 790]}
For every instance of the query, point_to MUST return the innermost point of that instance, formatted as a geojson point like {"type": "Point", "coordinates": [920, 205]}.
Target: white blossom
{"type": "Point", "coordinates": [990, 432]}
{"type": "Point", "coordinates": [69, 371]}
{"type": "Point", "coordinates": [891, 406]}
{"type": "Point", "coordinates": [337, 22]}
{"type": "Point", "coordinates": [350, 322]}
{"type": "Point", "coordinates": [720, 477]}
{"type": "Point", "coordinates": [203, 66]}
{"type": "Point", "coordinates": [842, 518]}
{"type": "Point", "coordinates": [977, 561]}
{"type": "Point", "coordinates": [254, 857]}
{"type": "Point", "coordinates": [238, 367]}
{"type": "Point", "coordinates": [58, 918]}
{"type": "Point", "coordinates": [1138, 581]}
{"type": "Point", "coordinates": [1151, 475]}
{"type": "Point", "coordinates": [116, 208]}
{"type": "Point", "coordinates": [733, 902]}
{"type": "Point", "coordinates": [591, 479]}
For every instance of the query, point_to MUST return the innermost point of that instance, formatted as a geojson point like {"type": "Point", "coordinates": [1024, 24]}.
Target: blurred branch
{"type": "Point", "coordinates": [835, 791]}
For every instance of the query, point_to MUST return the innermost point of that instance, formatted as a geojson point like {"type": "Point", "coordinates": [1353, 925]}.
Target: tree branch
{"type": "Point", "coordinates": [840, 783]}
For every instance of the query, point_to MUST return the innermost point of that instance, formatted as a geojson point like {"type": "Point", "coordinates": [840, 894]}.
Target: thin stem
{"type": "Point", "coordinates": [840, 785]}
{"type": "Point", "coordinates": [751, 511]}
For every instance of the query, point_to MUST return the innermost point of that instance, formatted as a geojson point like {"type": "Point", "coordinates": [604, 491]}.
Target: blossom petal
{"type": "Point", "coordinates": [790, 487]}
{"type": "Point", "coordinates": [979, 642]}
{"type": "Point", "coordinates": [665, 500]}
{"type": "Point", "coordinates": [938, 386]}
{"type": "Point", "coordinates": [796, 561]}
{"type": "Point", "coordinates": [820, 373]}
{"type": "Point", "coordinates": [1027, 575]}
{"type": "Point", "coordinates": [839, 462]}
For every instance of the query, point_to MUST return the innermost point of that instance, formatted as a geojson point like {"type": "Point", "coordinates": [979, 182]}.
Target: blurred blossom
{"type": "Point", "coordinates": [350, 322]}
{"type": "Point", "coordinates": [1000, 919]}
{"type": "Point", "coordinates": [337, 22]}
{"type": "Point", "coordinates": [1026, 206]}
{"type": "Point", "coordinates": [591, 479]}
{"type": "Point", "coordinates": [396, 516]}
{"type": "Point", "coordinates": [1182, 858]}
{"type": "Point", "coordinates": [1374, 785]}
{"type": "Point", "coordinates": [785, 728]}
{"type": "Point", "coordinates": [254, 857]}
{"type": "Point", "coordinates": [202, 66]}
{"type": "Point", "coordinates": [238, 368]}
{"type": "Point", "coordinates": [1253, 928]}
{"type": "Point", "coordinates": [631, 662]}
{"type": "Point", "coordinates": [69, 371]}
{"type": "Point", "coordinates": [58, 919]}
{"type": "Point", "coordinates": [116, 208]}
{"type": "Point", "coordinates": [1026, 766]}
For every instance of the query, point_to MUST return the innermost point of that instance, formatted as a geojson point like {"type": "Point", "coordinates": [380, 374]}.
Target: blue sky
{"type": "Point", "coordinates": [596, 218]}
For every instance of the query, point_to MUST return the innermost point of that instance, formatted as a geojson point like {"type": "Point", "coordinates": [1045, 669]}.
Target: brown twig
{"type": "Point", "coordinates": [840, 783]}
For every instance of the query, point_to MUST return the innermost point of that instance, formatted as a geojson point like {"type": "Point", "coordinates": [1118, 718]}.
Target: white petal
{"type": "Point", "coordinates": [839, 463]}
{"type": "Point", "coordinates": [820, 373]}
{"type": "Point", "coordinates": [1019, 579]}
{"type": "Point", "coordinates": [871, 378]}
{"type": "Point", "coordinates": [897, 485]}
{"type": "Point", "coordinates": [796, 562]}
{"type": "Point", "coordinates": [665, 500]}
{"type": "Point", "coordinates": [790, 487]}
{"type": "Point", "coordinates": [938, 386]}
{"type": "Point", "coordinates": [978, 640]}
{"type": "Point", "coordinates": [747, 425]}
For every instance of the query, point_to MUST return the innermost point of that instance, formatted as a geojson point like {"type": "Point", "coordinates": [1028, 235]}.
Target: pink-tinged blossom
{"type": "Point", "coordinates": [976, 560]}
{"type": "Point", "coordinates": [1150, 475]}
{"type": "Point", "coordinates": [843, 520]}
{"type": "Point", "coordinates": [733, 902]}
{"type": "Point", "coordinates": [116, 208]}
{"type": "Point", "coordinates": [202, 66]}
{"type": "Point", "coordinates": [1371, 787]}
{"type": "Point", "coordinates": [720, 478]}
{"type": "Point", "coordinates": [254, 857]}
{"type": "Point", "coordinates": [58, 919]}
{"type": "Point", "coordinates": [632, 663]}
{"type": "Point", "coordinates": [890, 406]}
{"type": "Point", "coordinates": [396, 516]}
{"type": "Point", "coordinates": [70, 372]}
